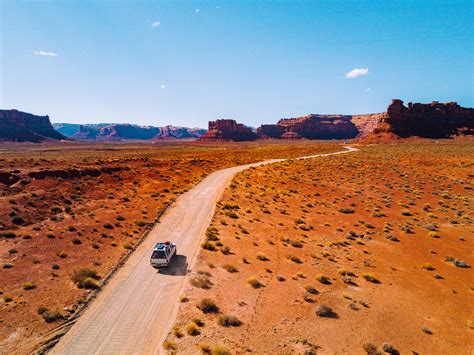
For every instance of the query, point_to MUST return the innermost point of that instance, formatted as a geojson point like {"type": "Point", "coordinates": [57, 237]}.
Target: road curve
{"type": "Point", "coordinates": [136, 309]}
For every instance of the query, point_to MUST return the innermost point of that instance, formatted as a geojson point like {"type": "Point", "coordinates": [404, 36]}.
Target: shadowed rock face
{"type": "Point", "coordinates": [311, 127]}
{"type": "Point", "coordinates": [26, 127]}
{"type": "Point", "coordinates": [120, 132]}
{"type": "Point", "coordinates": [434, 120]}
{"type": "Point", "coordinates": [228, 130]}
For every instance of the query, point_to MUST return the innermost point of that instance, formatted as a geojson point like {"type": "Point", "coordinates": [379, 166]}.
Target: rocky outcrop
{"type": "Point", "coordinates": [314, 127]}
{"type": "Point", "coordinates": [116, 132]}
{"type": "Point", "coordinates": [26, 127]}
{"type": "Point", "coordinates": [122, 132]}
{"type": "Point", "coordinates": [228, 130]}
{"type": "Point", "coordinates": [434, 120]}
{"type": "Point", "coordinates": [173, 132]}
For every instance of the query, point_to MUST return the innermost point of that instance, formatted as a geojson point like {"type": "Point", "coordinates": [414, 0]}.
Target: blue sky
{"type": "Point", "coordinates": [187, 62]}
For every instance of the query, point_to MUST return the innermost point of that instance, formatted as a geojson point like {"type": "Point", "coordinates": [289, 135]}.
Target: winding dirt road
{"type": "Point", "coordinates": [134, 312]}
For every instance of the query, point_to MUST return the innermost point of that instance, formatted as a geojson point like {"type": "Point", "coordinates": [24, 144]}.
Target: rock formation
{"type": "Point", "coordinates": [228, 130]}
{"type": "Point", "coordinates": [434, 120]}
{"type": "Point", "coordinates": [26, 127]}
{"type": "Point", "coordinates": [311, 127]}
{"type": "Point", "coordinates": [122, 132]}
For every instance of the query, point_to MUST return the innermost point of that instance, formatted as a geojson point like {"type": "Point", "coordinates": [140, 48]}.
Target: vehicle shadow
{"type": "Point", "coordinates": [177, 267]}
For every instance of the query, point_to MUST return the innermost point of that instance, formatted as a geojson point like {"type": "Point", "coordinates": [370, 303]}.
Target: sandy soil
{"type": "Point", "coordinates": [73, 219]}
{"type": "Point", "coordinates": [348, 254]}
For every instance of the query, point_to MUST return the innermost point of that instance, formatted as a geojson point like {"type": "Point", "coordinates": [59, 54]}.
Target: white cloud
{"type": "Point", "coordinates": [197, 10]}
{"type": "Point", "coordinates": [356, 72]}
{"type": "Point", "coordinates": [162, 86]}
{"type": "Point", "coordinates": [156, 24]}
{"type": "Point", "coordinates": [43, 53]}
{"type": "Point", "coordinates": [368, 89]}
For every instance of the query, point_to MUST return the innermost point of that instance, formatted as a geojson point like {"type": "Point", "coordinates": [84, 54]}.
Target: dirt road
{"type": "Point", "coordinates": [134, 312]}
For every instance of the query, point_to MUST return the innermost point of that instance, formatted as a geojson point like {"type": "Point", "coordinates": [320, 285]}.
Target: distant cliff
{"type": "Point", "coordinates": [122, 132]}
{"type": "Point", "coordinates": [26, 127]}
{"type": "Point", "coordinates": [228, 130]}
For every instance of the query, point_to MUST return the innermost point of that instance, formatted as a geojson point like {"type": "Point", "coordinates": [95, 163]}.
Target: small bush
{"type": "Point", "coordinates": [108, 226]}
{"type": "Point", "coordinates": [201, 281]}
{"type": "Point", "coordinates": [140, 223]}
{"type": "Point", "coordinates": [76, 241]}
{"type": "Point", "coordinates": [254, 282]}
{"type": "Point", "coordinates": [294, 259]}
{"type": "Point", "coordinates": [428, 266]}
{"type": "Point", "coordinates": [230, 268]}
{"type": "Point", "coordinates": [323, 310]}
{"type": "Point", "coordinates": [227, 320]}
{"type": "Point", "coordinates": [169, 345]}
{"type": "Point", "coordinates": [86, 278]}
{"type": "Point", "coordinates": [62, 254]}
{"type": "Point", "coordinates": [29, 286]}
{"type": "Point", "coordinates": [323, 279]}
{"type": "Point", "coordinates": [220, 350]}
{"type": "Point", "coordinates": [205, 348]}
{"type": "Point", "coordinates": [49, 316]}
{"type": "Point", "coordinates": [192, 329]}
{"type": "Point", "coordinates": [371, 278]}
{"type": "Point", "coordinates": [7, 298]}
{"type": "Point", "coordinates": [208, 246]}
{"type": "Point", "coordinates": [7, 266]}
{"type": "Point", "coordinates": [206, 305]}
{"type": "Point", "coordinates": [8, 235]}
{"type": "Point", "coordinates": [346, 210]}
{"type": "Point", "coordinates": [262, 257]}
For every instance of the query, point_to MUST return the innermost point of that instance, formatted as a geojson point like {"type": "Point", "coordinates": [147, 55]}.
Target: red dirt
{"type": "Point", "coordinates": [387, 210]}
{"type": "Point", "coordinates": [95, 219]}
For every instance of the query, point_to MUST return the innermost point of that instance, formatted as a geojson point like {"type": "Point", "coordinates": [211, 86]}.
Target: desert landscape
{"type": "Point", "coordinates": [233, 177]}
{"type": "Point", "coordinates": [368, 252]}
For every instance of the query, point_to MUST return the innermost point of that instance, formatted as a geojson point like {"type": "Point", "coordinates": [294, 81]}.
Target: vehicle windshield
{"type": "Point", "coordinates": [158, 254]}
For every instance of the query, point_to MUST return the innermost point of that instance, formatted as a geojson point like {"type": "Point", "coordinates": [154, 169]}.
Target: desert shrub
{"type": "Point", "coordinates": [183, 299]}
{"type": "Point", "coordinates": [370, 348]}
{"type": "Point", "coordinates": [232, 215]}
{"type": "Point", "coordinates": [29, 286]}
{"type": "Point", "coordinates": [426, 330]}
{"type": "Point", "coordinates": [201, 281]}
{"type": "Point", "coordinates": [86, 278]}
{"type": "Point", "coordinates": [18, 220]}
{"type": "Point", "coordinates": [27, 237]}
{"type": "Point", "coordinates": [228, 320]}
{"type": "Point", "coordinates": [345, 272]}
{"type": "Point", "coordinates": [50, 236]}
{"type": "Point", "coordinates": [205, 348]}
{"type": "Point", "coordinates": [254, 282]}
{"type": "Point", "coordinates": [296, 244]}
{"type": "Point", "coordinates": [140, 223]}
{"type": "Point", "coordinates": [281, 278]}
{"type": "Point", "coordinates": [7, 266]}
{"type": "Point", "coordinates": [7, 235]}
{"type": "Point", "coordinates": [389, 348]}
{"type": "Point", "coordinates": [62, 254]}
{"type": "Point", "coordinates": [12, 251]}
{"type": "Point", "coordinates": [262, 257]}
{"type": "Point", "coordinates": [428, 266]}
{"type": "Point", "coordinates": [346, 210]}
{"type": "Point", "coordinates": [225, 250]}
{"type": "Point", "coordinates": [120, 218]}
{"type": "Point", "coordinates": [323, 279]}
{"type": "Point", "coordinates": [55, 267]}
{"type": "Point", "coordinates": [294, 258]}
{"type": "Point", "coordinates": [169, 345]}
{"type": "Point", "coordinates": [7, 298]}
{"type": "Point", "coordinates": [324, 310]}
{"type": "Point", "coordinates": [192, 329]}
{"type": "Point", "coordinates": [311, 289]}
{"type": "Point", "coordinates": [177, 332]}
{"type": "Point", "coordinates": [76, 241]}
{"type": "Point", "coordinates": [206, 305]}
{"type": "Point", "coordinates": [406, 213]}
{"type": "Point", "coordinates": [49, 316]}
{"type": "Point", "coordinates": [220, 350]}
{"type": "Point", "coordinates": [371, 278]}
{"type": "Point", "coordinates": [208, 246]}
{"type": "Point", "coordinates": [230, 268]}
